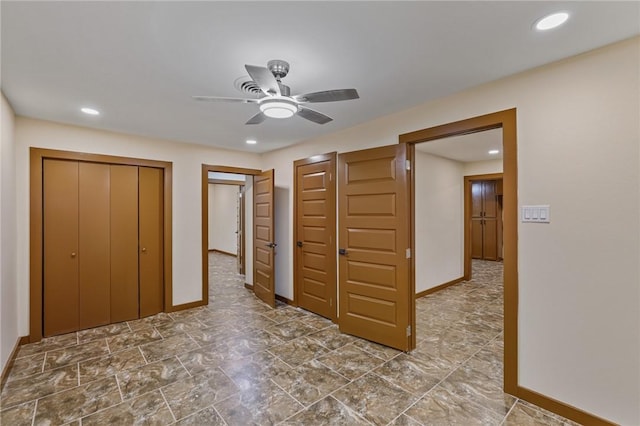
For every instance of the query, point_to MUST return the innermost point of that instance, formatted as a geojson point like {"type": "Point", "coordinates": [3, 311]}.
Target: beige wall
{"type": "Point", "coordinates": [223, 218]}
{"type": "Point", "coordinates": [482, 167]}
{"type": "Point", "coordinates": [9, 331]}
{"type": "Point", "coordinates": [578, 139]}
{"type": "Point", "coordinates": [187, 200]}
{"type": "Point", "coordinates": [438, 220]}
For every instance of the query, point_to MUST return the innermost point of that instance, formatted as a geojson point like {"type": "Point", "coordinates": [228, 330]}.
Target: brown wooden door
{"type": "Point", "coordinates": [151, 241]}
{"type": "Point", "coordinates": [94, 245]}
{"type": "Point", "coordinates": [477, 234]}
{"type": "Point", "coordinates": [485, 220]}
{"type": "Point", "coordinates": [60, 228]}
{"type": "Point", "coordinates": [263, 238]}
{"type": "Point", "coordinates": [490, 240]}
{"type": "Point", "coordinates": [376, 301]}
{"type": "Point", "coordinates": [124, 243]}
{"type": "Point", "coordinates": [315, 252]}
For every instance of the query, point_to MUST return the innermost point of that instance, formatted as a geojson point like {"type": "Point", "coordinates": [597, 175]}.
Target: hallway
{"type": "Point", "coordinates": [239, 362]}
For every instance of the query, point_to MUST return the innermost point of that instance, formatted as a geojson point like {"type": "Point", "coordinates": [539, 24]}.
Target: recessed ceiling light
{"type": "Point", "coordinates": [552, 21]}
{"type": "Point", "coordinates": [251, 142]}
{"type": "Point", "coordinates": [90, 111]}
{"type": "Point", "coordinates": [494, 152]}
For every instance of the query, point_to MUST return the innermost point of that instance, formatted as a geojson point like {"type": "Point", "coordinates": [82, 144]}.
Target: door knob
{"type": "Point", "coordinates": [342, 252]}
{"type": "Point", "coordinates": [73, 254]}
{"type": "Point", "coordinates": [272, 245]}
{"type": "Point", "coordinates": [299, 243]}
{"type": "Point", "coordinates": [144, 249]}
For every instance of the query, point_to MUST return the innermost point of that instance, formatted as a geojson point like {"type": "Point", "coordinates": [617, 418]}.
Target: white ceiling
{"type": "Point", "coordinates": [139, 63]}
{"type": "Point", "coordinates": [466, 148]}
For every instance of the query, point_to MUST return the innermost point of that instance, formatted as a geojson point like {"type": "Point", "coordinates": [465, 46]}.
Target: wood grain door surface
{"type": "Point", "coordinates": [375, 296]}
{"type": "Point", "coordinates": [151, 242]}
{"type": "Point", "coordinates": [60, 267]}
{"type": "Point", "coordinates": [484, 220]}
{"type": "Point", "coordinates": [263, 238]}
{"type": "Point", "coordinates": [103, 244]}
{"type": "Point", "coordinates": [124, 243]}
{"type": "Point", "coordinates": [94, 230]}
{"type": "Point", "coordinates": [315, 256]}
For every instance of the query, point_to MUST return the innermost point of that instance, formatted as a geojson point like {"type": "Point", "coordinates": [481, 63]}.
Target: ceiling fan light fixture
{"type": "Point", "coordinates": [278, 107]}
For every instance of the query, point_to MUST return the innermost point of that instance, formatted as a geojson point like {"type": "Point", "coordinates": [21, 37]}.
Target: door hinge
{"type": "Point", "coordinates": [408, 330]}
{"type": "Point", "coordinates": [407, 164]}
{"type": "Point", "coordinates": [408, 253]}
{"type": "Point", "coordinates": [330, 177]}
{"type": "Point", "coordinates": [330, 301]}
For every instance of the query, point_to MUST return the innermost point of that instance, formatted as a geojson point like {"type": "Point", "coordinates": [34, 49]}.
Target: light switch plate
{"type": "Point", "coordinates": [535, 214]}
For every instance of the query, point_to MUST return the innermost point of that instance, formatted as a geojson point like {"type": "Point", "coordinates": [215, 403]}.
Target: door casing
{"type": "Point", "coordinates": [206, 168]}
{"type": "Point", "coordinates": [36, 236]}
{"type": "Point", "coordinates": [506, 120]}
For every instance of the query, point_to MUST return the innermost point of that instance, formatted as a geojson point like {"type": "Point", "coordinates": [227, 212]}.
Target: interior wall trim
{"type": "Point", "coordinates": [37, 156]}
{"type": "Point", "coordinates": [558, 407]}
{"type": "Point", "coordinates": [206, 168]}
{"type": "Point", "coordinates": [506, 120]}
{"type": "Point", "coordinates": [12, 358]}
{"type": "Point", "coordinates": [438, 287]}
{"type": "Point", "coordinates": [188, 305]}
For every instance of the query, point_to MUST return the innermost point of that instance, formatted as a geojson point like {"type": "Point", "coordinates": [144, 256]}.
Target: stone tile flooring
{"type": "Point", "coordinates": [239, 362]}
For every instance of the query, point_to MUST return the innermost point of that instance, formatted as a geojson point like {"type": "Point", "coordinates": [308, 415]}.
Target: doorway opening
{"type": "Point", "coordinates": [506, 122]}
{"type": "Point", "coordinates": [244, 227]}
{"type": "Point", "coordinates": [227, 214]}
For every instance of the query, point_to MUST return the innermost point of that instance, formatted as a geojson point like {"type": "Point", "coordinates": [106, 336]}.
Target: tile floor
{"type": "Point", "coordinates": [239, 362]}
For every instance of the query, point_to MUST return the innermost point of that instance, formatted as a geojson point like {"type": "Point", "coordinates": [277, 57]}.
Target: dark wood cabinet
{"type": "Point", "coordinates": [486, 220]}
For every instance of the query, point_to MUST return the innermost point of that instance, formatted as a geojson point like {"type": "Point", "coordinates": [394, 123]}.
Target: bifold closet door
{"type": "Point", "coordinates": [151, 241]}
{"type": "Point", "coordinates": [94, 241]}
{"type": "Point", "coordinates": [60, 239]}
{"type": "Point", "coordinates": [124, 243]}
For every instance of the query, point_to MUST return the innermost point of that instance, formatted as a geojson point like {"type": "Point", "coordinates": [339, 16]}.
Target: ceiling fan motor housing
{"type": "Point", "coordinates": [278, 68]}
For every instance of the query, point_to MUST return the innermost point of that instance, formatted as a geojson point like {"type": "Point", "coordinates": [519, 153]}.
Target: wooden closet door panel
{"type": "Point", "coordinates": [490, 241]}
{"type": "Point", "coordinates": [489, 199]}
{"type": "Point", "coordinates": [150, 202]}
{"type": "Point", "coordinates": [60, 229]}
{"type": "Point", "coordinates": [94, 241]}
{"type": "Point", "coordinates": [124, 243]}
{"type": "Point", "coordinates": [476, 199]}
{"type": "Point", "coordinates": [476, 238]}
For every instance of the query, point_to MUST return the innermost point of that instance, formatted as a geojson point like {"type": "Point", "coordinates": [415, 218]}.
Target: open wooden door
{"type": "Point", "coordinates": [263, 238]}
{"type": "Point", "coordinates": [376, 301]}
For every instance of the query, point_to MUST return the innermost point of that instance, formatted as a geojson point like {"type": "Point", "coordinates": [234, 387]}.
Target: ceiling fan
{"type": "Point", "coordinates": [277, 101]}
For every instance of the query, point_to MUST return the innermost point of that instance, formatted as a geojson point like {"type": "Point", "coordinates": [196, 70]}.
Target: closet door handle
{"type": "Point", "coordinates": [73, 254]}
{"type": "Point", "coordinates": [144, 249]}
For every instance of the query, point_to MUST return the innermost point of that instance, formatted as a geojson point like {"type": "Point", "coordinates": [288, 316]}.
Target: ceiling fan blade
{"type": "Point", "coordinates": [315, 116]}
{"type": "Point", "coordinates": [328, 96]}
{"type": "Point", "coordinates": [223, 99]}
{"type": "Point", "coordinates": [264, 78]}
{"type": "Point", "coordinates": [257, 119]}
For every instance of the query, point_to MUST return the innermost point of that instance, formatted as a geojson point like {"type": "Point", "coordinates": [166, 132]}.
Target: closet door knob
{"type": "Point", "coordinates": [73, 254]}
{"type": "Point", "coordinates": [144, 249]}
